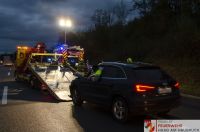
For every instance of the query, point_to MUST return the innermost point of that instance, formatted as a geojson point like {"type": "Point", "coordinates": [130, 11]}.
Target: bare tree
{"type": "Point", "coordinates": [121, 12]}
{"type": "Point", "coordinates": [102, 18]}
{"type": "Point", "coordinates": [144, 6]}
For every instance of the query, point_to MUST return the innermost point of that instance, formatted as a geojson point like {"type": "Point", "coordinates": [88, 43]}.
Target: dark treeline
{"type": "Point", "coordinates": [165, 32]}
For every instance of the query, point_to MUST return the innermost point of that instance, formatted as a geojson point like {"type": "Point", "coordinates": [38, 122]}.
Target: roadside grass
{"type": "Point", "coordinates": [185, 71]}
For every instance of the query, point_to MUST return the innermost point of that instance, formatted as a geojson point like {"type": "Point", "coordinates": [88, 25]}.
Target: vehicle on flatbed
{"type": "Point", "coordinates": [128, 89]}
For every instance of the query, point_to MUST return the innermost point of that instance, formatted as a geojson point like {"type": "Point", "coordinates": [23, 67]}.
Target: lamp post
{"type": "Point", "coordinates": [65, 23]}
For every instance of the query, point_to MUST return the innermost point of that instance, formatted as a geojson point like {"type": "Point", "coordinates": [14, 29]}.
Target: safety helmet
{"type": "Point", "coordinates": [129, 60]}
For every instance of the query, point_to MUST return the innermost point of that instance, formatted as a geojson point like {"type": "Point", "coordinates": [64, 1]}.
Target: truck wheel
{"type": "Point", "coordinates": [17, 76]}
{"type": "Point", "coordinates": [76, 98]}
{"type": "Point", "coordinates": [32, 83]}
{"type": "Point", "coordinates": [120, 109]}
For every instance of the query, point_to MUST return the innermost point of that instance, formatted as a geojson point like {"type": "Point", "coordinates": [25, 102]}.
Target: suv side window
{"type": "Point", "coordinates": [112, 72]}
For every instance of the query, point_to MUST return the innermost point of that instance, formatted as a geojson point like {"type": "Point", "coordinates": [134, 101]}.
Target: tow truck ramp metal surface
{"type": "Point", "coordinates": [55, 78]}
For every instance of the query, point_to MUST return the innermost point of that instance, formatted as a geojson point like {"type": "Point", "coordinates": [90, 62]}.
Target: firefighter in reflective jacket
{"type": "Point", "coordinates": [98, 72]}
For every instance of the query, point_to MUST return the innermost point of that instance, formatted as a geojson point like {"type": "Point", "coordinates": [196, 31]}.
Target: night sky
{"type": "Point", "coordinates": [29, 21]}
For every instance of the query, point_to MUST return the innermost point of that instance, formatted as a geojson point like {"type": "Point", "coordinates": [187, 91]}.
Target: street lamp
{"type": "Point", "coordinates": [66, 23]}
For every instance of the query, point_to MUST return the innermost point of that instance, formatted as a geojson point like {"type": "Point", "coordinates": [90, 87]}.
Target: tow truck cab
{"type": "Point", "coordinates": [22, 59]}
{"type": "Point", "coordinates": [22, 55]}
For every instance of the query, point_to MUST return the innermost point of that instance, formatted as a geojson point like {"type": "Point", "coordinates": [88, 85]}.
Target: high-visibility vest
{"type": "Point", "coordinates": [98, 72]}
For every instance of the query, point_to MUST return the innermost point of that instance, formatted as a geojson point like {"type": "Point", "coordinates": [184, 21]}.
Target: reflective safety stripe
{"type": "Point", "coordinates": [65, 55]}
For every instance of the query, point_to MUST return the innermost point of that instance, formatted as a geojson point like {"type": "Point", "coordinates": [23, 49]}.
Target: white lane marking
{"type": "Point", "coordinates": [4, 98]}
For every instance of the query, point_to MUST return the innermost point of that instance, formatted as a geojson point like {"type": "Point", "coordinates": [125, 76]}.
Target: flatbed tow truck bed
{"type": "Point", "coordinates": [56, 79]}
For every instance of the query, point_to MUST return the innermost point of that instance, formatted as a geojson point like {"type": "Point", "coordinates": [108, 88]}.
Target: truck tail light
{"type": "Point", "coordinates": [177, 85]}
{"type": "Point", "coordinates": [143, 88]}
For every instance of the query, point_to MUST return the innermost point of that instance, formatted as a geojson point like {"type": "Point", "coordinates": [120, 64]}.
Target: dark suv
{"type": "Point", "coordinates": [128, 89]}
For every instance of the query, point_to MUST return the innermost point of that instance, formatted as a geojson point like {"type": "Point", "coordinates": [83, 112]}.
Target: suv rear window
{"type": "Point", "coordinates": [112, 72]}
{"type": "Point", "coordinates": [147, 74]}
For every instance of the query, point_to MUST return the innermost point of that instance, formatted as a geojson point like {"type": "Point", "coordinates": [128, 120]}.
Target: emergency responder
{"type": "Point", "coordinates": [81, 66]}
{"type": "Point", "coordinates": [96, 73]}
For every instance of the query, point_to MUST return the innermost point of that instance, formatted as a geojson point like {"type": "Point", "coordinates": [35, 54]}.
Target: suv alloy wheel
{"type": "Point", "coordinates": [76, 98]}
{"type": "Point", "coordinates": [120, 109]}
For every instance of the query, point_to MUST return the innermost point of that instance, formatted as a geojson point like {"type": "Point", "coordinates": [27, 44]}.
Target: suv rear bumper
{"type": "Point", "coordinates": [153, 107]}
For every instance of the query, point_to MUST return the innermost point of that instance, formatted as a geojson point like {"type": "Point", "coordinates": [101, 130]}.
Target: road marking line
{"type": "Point", "coordinates": [190, 96]}
{"type": "Point", "coordinates": [4, 98]}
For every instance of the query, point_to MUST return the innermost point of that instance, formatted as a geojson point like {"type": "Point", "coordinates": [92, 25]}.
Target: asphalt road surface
{"type": "Point", "coordinates": [23, 109]}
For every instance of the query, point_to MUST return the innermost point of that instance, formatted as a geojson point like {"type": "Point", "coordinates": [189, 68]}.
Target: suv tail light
{"type": "Point", "coordinates": [177, 85]}
{"type": "Point", "coordinates": [143, 88]}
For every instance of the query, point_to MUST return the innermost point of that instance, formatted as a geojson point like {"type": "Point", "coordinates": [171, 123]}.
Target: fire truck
{"type": "Point", "coordinates": [73, 55]}
{"type": "Point", "coordinates": [43, 70]}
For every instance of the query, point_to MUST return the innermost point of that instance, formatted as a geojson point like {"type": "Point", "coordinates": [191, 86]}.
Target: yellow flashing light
{"type": "Point", "coordinates": [22, 47]}
{"type": "Point", "coordinates": [25, 48]}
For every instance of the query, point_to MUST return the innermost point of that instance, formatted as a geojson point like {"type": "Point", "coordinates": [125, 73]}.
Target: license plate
{"type": "Point", "coordinates": [164, 90]}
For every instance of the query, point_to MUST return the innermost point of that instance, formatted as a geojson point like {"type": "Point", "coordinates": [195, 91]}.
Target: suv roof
{"type": "Point", "coordinates": [132, 65]}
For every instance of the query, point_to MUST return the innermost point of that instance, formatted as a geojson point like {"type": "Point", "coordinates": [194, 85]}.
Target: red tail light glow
{"type": "Point", "coordinates": [143, 88]}
{"type": "Point", "coordinates": [177, 85]}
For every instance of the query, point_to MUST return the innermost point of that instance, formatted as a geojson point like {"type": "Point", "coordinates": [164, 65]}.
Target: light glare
{"type": "Point", "coordinates": [62, 22]}
{"type": "Point", "coordinates": [68, 23]}
{"type": "Point", "coordinates": [65, 23]}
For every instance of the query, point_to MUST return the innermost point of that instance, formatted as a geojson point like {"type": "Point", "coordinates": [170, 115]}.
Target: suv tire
{"type": "Point", "coordinates": [76, 98]}
{"type": "Point", "coordinates": [120, 109]}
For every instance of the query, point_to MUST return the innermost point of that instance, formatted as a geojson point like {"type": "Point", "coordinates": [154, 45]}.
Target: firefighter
{"type": "Point", "coordinates": [81, 66]}
{"type": "Point", "coordinates": [98, 72]}
{"type": "Point", "coordinates": [95, 73]}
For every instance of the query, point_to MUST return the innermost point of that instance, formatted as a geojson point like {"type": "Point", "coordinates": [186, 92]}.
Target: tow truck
{"type": "Point", "coordinates": [44, 71]}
